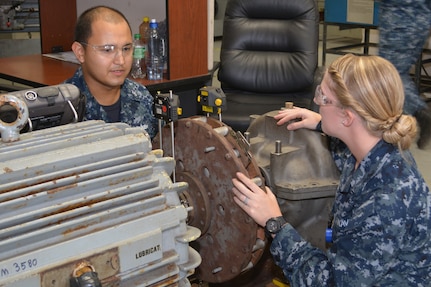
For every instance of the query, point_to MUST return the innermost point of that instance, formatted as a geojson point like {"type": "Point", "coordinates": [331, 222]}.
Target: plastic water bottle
{"type": "Point", "coordinates": [138, 66]}
{"type": "Point", "coordinates": [156, 53]}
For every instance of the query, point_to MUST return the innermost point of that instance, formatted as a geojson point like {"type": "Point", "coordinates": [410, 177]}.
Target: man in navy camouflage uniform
{"type": "Point", "coordinates": [103, 45]}
{"type": "Point", "coordinates": [382, 210]}
{"type": "Point", "coordinates": [403, 29]}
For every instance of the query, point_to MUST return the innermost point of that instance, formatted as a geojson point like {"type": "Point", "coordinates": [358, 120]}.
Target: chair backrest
{"type": "Point", "coordinates": [269, 46]}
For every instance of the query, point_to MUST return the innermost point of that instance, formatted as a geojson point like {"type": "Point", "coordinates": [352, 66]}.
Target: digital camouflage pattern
{"type": "Point", "coordinates": [403, 29]}
{"type": "Point", "coordinates": [136, 104]}
{"type": "Point", "coordinates": [381, 227]}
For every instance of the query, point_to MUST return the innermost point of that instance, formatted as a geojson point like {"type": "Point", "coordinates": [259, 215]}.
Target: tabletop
{"type": "Point", "coordinates": [38, 70]}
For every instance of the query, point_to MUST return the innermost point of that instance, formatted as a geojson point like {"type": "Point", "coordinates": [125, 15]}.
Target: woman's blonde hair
{"type": "Point", "coordinates": [372, 87]}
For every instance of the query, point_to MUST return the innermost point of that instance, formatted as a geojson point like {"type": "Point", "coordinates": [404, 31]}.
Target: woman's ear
{"type": "Point", "coordinates": [79, 51]}
{"type": "Point", "coordinates": [348, 117]}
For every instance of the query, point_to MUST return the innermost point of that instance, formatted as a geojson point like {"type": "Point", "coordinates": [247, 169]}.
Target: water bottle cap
{"type": "Point", "coordinates": [146, 19]}
{"type": "Point", "coordinates": [153, 24]}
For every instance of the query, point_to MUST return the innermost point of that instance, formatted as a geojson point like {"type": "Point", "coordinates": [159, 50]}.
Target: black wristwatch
{"type": "Point", "coordinates": [274, 225]}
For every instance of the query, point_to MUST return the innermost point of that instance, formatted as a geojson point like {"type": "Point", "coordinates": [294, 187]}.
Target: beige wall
{"type": "Point", "coordinates": [134, 10]}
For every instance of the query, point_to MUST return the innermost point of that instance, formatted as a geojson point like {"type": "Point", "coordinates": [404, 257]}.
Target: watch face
{"type": "Point", "coordinates": [272, 225]}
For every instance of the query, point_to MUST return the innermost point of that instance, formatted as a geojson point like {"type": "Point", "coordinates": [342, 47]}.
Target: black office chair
{"type": "Point", "coordinates": [268, 56]}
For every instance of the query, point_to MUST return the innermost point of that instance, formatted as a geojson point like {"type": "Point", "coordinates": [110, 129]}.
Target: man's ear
{"type": "Point", "coordinates": [79, 51]}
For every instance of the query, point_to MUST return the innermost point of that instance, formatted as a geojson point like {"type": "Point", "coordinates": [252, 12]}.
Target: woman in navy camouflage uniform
{"type": "Point", "coordinates": [382, 210]}
{"type": "Point", "coordinates": [404, 26]}
{"type": "Point", "coordinates": [103, 45]}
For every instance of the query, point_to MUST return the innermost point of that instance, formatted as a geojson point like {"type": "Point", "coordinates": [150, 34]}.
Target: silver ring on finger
{"type": "Point", "coordinates": [245, 201]}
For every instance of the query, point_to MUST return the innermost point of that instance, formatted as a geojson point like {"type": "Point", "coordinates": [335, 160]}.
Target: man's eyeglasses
{"type": "Point", "coordinates": [111, 50]}
{"type": "Point", "coordinates": [321, 99]}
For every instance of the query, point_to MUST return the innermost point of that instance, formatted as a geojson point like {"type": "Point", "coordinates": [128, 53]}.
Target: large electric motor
{"type": "Point", "coordinates": [91, 204]}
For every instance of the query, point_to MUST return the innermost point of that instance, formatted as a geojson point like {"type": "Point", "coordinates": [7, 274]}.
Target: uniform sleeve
{"type": "Point", "coordinates": [137, 107]}
{"type": "Point", "coordinates": [381, 244]}
{"type": "Point", "coordinates": [302, 264]}
{"type": "Point", "coordinates": [360, 253]}
{"type": "Point", "coordinates": [144, 114]}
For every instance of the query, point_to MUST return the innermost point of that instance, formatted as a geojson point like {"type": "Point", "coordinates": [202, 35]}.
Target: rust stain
{"type": "Point", "coordinates": [73, 206]}
{"type": "Point", "coordinates": [77, 175]}
{"type": "Point", "coordinates": [58, 189]}
{"type": "Point", "coordinates": [79, 227]}
{"type": "Point", "coordinates": [7, 170]}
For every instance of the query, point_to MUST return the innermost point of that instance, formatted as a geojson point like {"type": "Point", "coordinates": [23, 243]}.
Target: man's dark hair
{"type": "Point", "coordinates": [83, 29]}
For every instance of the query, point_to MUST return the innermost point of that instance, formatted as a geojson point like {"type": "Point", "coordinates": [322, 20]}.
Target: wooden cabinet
{"type": "Point", "coordinates": [188, 40]}
{"type": "Point", "coordinates": [57, 24]}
